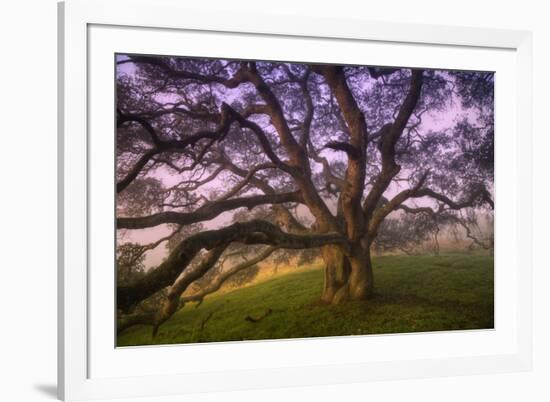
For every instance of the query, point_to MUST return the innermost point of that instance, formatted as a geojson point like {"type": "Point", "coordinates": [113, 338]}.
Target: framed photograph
{"type": "Point", "coordinates": [254, 200]}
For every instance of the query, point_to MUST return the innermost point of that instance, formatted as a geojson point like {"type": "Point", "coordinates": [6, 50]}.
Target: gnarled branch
{"type": "Point", "coordinates": [354, 183]}
{"type": "Point", "coordinates": [480, 194]}
{"type": "Point", "coordinates": [383, 211]}
{"type": "Point", "coordinates": [207, 211]}
{"type": "Point", "coordinates": [252, 232]}
{"type": "Point", "coordinates": [389, 135]}
{"type": "Point", "coordinates": [172, 299]}
{"type": "Point", "coordinates": [219, 280]}
{"type": "Point", "coordinates": [178, 145]}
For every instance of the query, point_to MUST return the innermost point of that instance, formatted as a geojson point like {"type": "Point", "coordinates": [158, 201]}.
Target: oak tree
{"type": "Point", "coordinates": [325, 152]}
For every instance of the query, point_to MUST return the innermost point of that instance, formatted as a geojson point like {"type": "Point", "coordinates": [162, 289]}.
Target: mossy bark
{"type": "Point", "coordinates": [347, 277]}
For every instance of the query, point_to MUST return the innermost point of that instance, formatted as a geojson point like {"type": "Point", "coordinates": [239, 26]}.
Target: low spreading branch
{"type": "Point", "coordinates": [252, 232]}
{"type": "Point", "coordinates": [182, 283]}
{"type": "Point", "coordinates": [226, 274]}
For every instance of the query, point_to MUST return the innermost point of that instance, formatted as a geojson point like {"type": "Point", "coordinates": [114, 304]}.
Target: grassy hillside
{"type": "Point", "coordinates": [413, 293]}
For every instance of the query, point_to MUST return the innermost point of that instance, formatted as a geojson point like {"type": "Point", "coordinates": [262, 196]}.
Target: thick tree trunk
{"type": "Point", "coordinates": [347, 277]}
{"type": "Point", "coordinates": [337, 270]}
{"type": "Point", "coordinates": [361, 279]}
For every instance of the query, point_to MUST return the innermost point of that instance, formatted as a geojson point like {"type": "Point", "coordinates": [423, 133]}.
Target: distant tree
{"type": "Point", "coordinates": [245, 276]}
{"type": "Point", "coordinates": [406, 233]}
{"type": "Point", "coordinates": [130, 263]}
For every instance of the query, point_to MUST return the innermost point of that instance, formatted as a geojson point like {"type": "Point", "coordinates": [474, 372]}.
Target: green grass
{"type": "Point", "coordinates": [413, 293]}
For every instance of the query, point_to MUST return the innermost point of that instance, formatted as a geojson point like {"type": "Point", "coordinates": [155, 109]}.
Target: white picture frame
{"type": "Point", "coordinates": [79, 377]}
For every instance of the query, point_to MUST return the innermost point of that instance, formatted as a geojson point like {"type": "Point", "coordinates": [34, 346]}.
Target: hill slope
{"type": "Point", "coordinates": [413, 293]}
